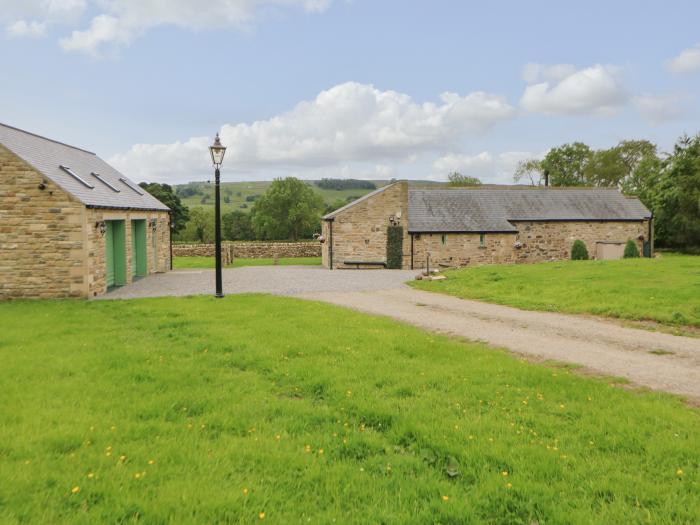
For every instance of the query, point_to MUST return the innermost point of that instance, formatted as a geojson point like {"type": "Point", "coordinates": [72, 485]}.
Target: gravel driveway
{"type": "Point", "coordinates": [278, 280]}
{"type": "Point", "coordinates": [653, 359]}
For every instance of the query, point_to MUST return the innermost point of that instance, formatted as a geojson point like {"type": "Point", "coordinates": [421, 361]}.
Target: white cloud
{"type": "Point", "coordinates": [495, 169]}
{"type": "Point", "coordinates": [348, 123]}
{"type": "Point", "coordinates": [658, 108]}
{"type": "Point", "coordinates": [31, 18]}
{"type": "Point", "coordinates": [119, 22]}
{"type": "Point", "coordinates": [125, 20]}
{"type": "Point", "coordinates": [687, 62]}
{"type": "Point", "coordinates": [22, 28]}
{"type": "Point", "coordinates": [563, 90]}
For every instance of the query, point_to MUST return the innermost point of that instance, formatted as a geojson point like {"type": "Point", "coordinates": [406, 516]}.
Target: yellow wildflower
{"type": "Point", "coordinates": [245, 492]}
{"type": "Point", "coordinates": [504, 473]}
{"type": "Point", "coordinates": [509, 485]}
{"type": "Point", "coordinates": [445, 498]}
{"type": "Point", "coordinates": [151, 461]}
{"type": "Point", "coordinates": [91, 475]}
{"type": "Point", "coordinates": [75, 489]}
{"type": "Point", "coordinates": [679, 472]}
{"type": "Point", "coordinates": [261, 515]}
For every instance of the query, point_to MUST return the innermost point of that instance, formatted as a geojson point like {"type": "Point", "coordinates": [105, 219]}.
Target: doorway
{"type": "Point", "coordinates": [115, 254]}
{"type": "Point", "coordinates": [138, 248]}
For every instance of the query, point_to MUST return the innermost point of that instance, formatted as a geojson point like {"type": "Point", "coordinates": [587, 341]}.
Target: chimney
{"type": "Point", "coordinates": [546, 178]}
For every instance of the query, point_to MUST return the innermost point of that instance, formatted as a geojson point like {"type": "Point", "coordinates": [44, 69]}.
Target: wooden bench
{"type": "Point", "coordinates": [357, 264]}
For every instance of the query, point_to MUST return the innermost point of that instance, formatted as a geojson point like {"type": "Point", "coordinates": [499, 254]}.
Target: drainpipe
{"type": "Point", "coordinates": [330, 244]}
{"type": "Point", "coordinates": [170, 214]}
{"type": "Point", "coordinates": [546, 178]}
{"type": "Point", "coordinates": [651, 235]}
{"type": "Point", "coordinates": [411, 251]}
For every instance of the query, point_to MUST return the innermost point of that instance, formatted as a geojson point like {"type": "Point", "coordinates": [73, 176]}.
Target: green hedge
{"type": "Point", "coordinates": [631, 250]}
{"type": "Point", "coordinates": [579, 252]}
{"type": "Point", "coordinates": [394, 247]}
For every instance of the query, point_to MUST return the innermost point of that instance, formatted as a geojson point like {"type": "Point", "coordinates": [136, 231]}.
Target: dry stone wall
{"type": "Point", "coordinates": [250, 250]}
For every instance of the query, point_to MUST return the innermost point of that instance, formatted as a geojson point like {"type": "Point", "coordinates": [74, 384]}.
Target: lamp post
{"type": "Point", "coordinates": [217, 157]}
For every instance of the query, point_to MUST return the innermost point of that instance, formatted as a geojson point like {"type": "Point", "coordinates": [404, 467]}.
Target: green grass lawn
{"type": "Point", "coordinates": [203, 410]}
{"type": "Point", "coordinates": [208, 262]}
{"type": "Point", "coordinates": [665, 290]}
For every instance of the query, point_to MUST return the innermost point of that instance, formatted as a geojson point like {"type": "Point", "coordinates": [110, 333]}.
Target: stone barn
{"type": "Point", "coordinates": [483, 225]}
{"type": "Point", "coordinates": [70, 224]}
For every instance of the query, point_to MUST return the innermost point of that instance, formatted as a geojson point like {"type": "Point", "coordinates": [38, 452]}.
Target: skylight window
{"type": "Point", "coordinates": [103, 181]}
{"type": "Point", "coordinates": [76, 176]}
{"type": "Point", "coordinates": [127, 183]}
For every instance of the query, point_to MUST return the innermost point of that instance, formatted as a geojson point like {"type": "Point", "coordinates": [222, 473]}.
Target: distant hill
{"type": "Point", "coordinates": [242, 195]}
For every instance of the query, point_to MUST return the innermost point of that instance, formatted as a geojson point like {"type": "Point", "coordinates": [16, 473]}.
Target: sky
{"type": "Point", "coordinates": [371, 89]}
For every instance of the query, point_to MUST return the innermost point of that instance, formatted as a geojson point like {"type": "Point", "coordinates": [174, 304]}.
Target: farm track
{"type": "Point", "coordinates": [603, 347]}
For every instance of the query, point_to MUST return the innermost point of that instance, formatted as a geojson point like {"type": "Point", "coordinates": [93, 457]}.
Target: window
{"type": "Point", "coordinates": [103, 181]}
{"type": "Point", "coordinates": [76, 176]}
{"type": "Point", "coordinates": [443, 239]}
{"type": "Point", "coordinates": [130, 185]}
{"type": "Point", "coordinates": [482, 240]}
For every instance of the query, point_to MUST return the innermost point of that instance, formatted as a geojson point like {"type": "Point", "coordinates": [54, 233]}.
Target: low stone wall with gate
{"type": "Point", "coordinates": [250, 250]}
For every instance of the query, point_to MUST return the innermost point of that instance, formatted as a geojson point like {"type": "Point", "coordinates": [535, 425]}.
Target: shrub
{"type": "Point", "coordinates": [631, 250]}
{"type": "Point", "coordinates": [579, 252]}
{"type": "Point", "coordinates": [394, 247]}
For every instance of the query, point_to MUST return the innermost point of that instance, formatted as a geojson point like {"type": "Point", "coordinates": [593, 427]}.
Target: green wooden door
{"type": "Point", "coordinates": [115, 253]}
{"type": "Point", "coordinates": [119, 236]}
{"type": "Point", "coordinates": [138, 248]}
{"type": "Point", "coordinates": [109, 253]}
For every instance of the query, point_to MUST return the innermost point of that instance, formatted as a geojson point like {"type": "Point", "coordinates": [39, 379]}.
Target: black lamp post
{"type": "Point", "coordinates": [217, 157]}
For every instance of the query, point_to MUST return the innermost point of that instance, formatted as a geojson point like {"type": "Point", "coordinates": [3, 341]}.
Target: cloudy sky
{"type": "Point", "coordinates": [347, 88]}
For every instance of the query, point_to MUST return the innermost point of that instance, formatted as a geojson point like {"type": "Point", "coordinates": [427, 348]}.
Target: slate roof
{"type": "Point", "coordinates": [492, 209]}
{"type": "Point", "coordinates": [47, 156]}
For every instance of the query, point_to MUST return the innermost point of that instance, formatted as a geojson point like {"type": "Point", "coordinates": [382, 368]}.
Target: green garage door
{"type": "Point", "coordinates": [138, 248]}
{"type": "Point", "coordinates": [115, 253]}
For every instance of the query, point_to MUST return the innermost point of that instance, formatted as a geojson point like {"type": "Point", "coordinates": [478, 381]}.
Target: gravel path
{"type": "Point", "coordinates": [601, 346]}
{"type": "Point", "coordinates": [278, 280]}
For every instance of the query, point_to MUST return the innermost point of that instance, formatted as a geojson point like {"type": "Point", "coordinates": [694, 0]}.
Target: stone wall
{"type": "Point", "coordinates": [41, 235]}
{"type": "Point", "coordinates": [535, 242]}
{"type": "Point", "coordinates": [360, 232]}
{"type": "Point", "coordinates": [157, 244]}
{"type": "Point", "coordinates": [463, 249]}
{"type": "Point", "coordinates": [250, 250]}
{"type": "Point", "coordinates": [552, 241]}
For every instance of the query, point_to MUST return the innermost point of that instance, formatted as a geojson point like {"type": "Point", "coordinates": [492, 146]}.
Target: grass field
{"type": "Point", "coordinates": [250, 408]}
{"type": "Point", "coordinates": [665, 290]}
{"type": "Point", "coordinates": [236, 193]}
{"type": "Point", "coordinates": [208, 262]}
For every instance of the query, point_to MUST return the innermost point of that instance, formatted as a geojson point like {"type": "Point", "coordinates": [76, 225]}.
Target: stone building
{"type": "Point", "coordinates": [70, 224]}
{"type": "Point", "coordinates": [484, 225]}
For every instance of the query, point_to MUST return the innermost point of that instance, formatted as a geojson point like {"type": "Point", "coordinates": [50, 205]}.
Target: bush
{"type": "Point", "coordinates": [631, 250]}
{"type": "Point", "coordinates": [579, 252]}
{"type": "Point", "coordinates": [394, 247]}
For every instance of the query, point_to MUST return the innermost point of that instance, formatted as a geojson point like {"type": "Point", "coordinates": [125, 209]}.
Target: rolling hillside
{"type": "Point", "coordinates": [241, 195]}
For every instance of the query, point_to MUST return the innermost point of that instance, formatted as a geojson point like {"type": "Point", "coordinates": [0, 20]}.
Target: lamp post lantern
{"type": "Point", "coordinates": [217, 157]}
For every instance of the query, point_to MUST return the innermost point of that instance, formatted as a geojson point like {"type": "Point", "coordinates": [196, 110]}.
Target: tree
{"type": "Point", "coordinates": [237, 226]}
{"type": "Point", "coordinates": [337, 203]}
{"type": "Point", "coordinates": [165, 194]}
{"type": "Point", "coordinates": [457, 179]}
{"type": "Point", "coordinates": [200, 227]}
{"type": "Point", "coordinates": [289, 209]}
{"type": "Point", "coordinates": [531, 169]}
{"type": "Point", "coordinates": [676, 197]}
{"type": "Point", "coordinates": [567, 165]}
